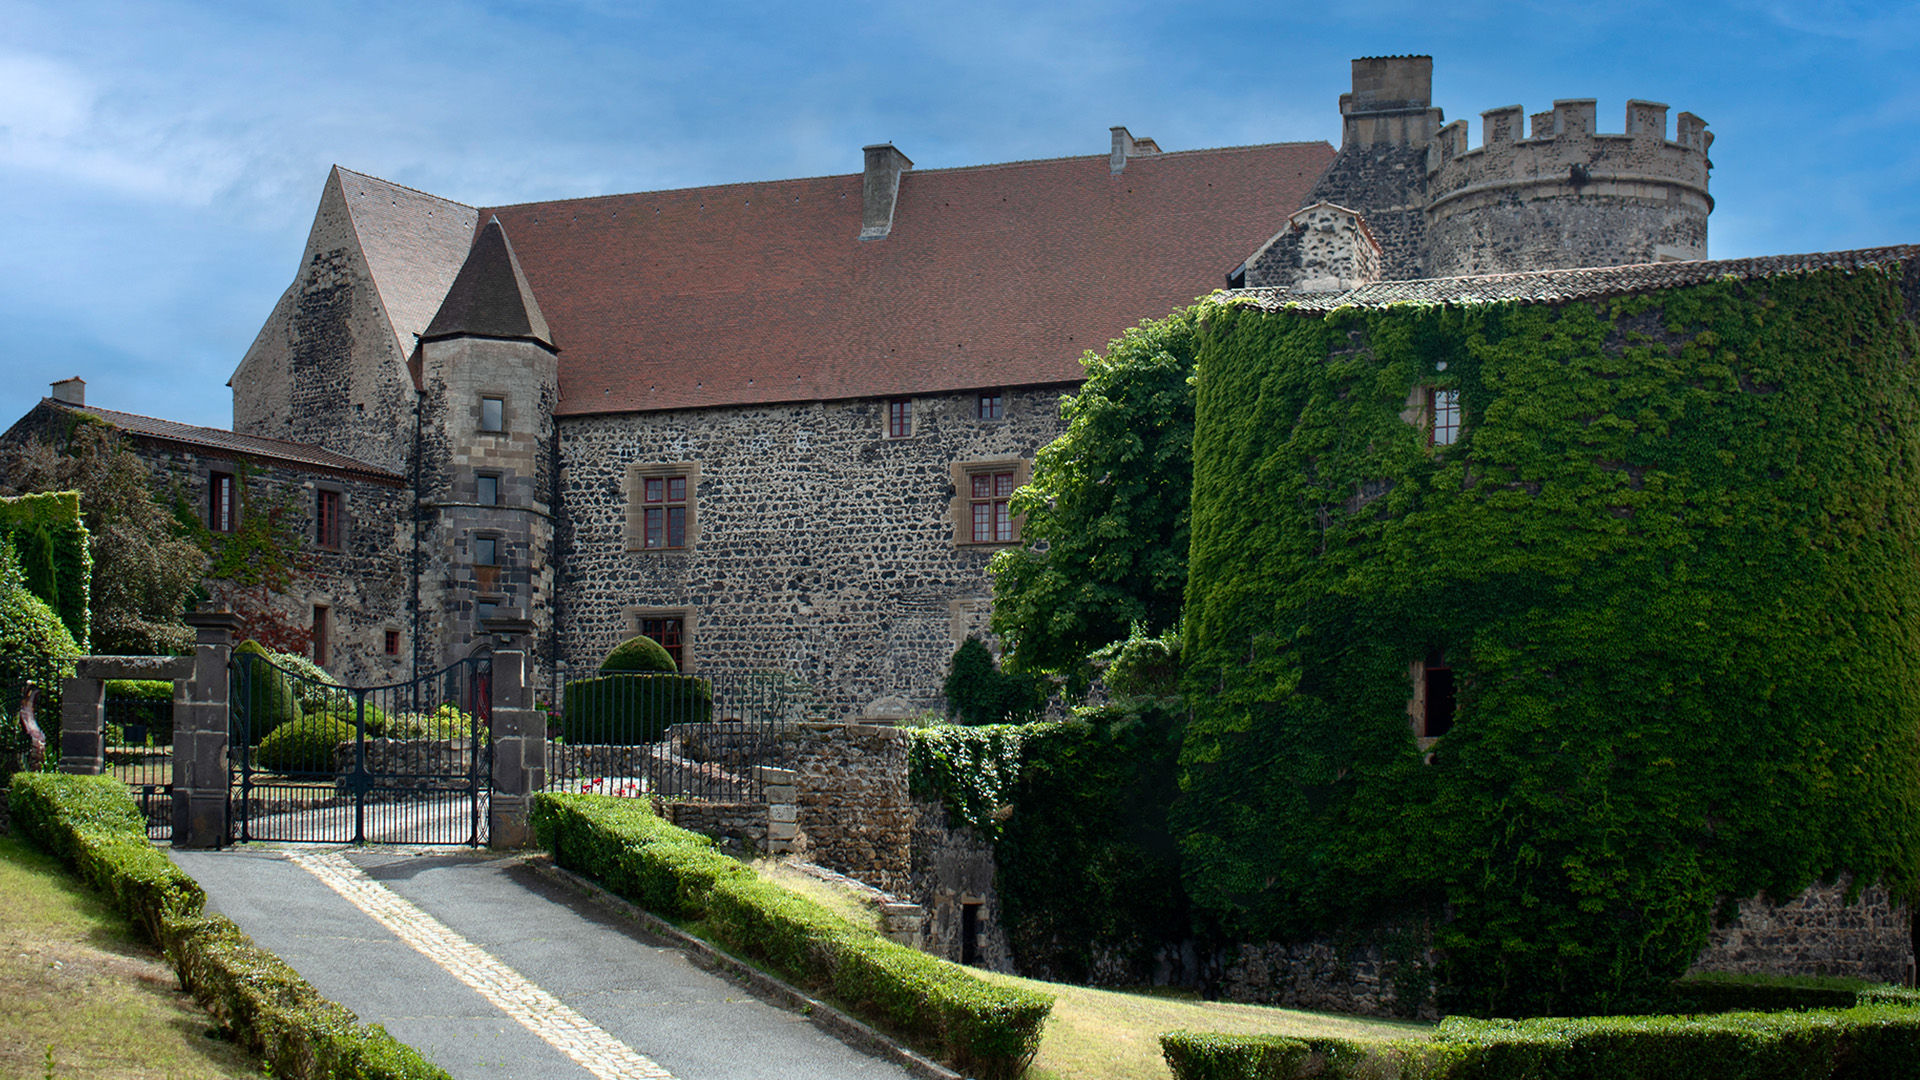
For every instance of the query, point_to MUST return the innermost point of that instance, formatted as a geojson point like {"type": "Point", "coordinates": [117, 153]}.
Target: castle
{"type": "Point", "coordinates": [775, 425]}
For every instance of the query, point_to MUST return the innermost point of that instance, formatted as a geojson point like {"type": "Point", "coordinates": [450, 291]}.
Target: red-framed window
{"type": "Point", "coordinates": [899, 418]}
{"type": "Point", "coordinates": [1443, 412]}
{"type": "Point", "coordinates": [326, 519]}
{"type": "Point", "coordinates": [393, 643]}
{"type": "Point", "coordinates": [992, 515]}
{"type": "Point", "coordinates": [664, 499]}
{"type": "Point", "coordinates": [991, 407]}
{"type": "Point", "coordinates": [670, 632]}
{"type": "Point", "coordinates": [222, 509]}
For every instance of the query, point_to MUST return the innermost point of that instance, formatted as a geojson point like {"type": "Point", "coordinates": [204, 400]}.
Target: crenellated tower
{"type": "Point", "coordinates": [1566, 195]}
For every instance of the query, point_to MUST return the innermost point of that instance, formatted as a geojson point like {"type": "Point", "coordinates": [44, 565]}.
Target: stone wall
{"type": "Point", "coordinates": [1816, 933]}
{"type": "Point", "coordinates": [1358, 978]}
{"type": "Point", "coordinates": [953, 867]}
{"type": "Point", "coordinates": [854, 812]}
{"type": "Point", "coordinates": [822, 547]}
{"type": "Point", "coordinates": [735, 825]}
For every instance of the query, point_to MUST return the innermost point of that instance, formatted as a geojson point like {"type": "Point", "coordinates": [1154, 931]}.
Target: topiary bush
{"type": "Point", "coordinates": [978, 692]}
{"type": "Point", "coordinates": [633, 709]}
{"type": "Point", "coordinates": [303, 745]}
{"type": "Point", "coordinates": [262, 691]}
{"type": "Point", "coordinates": [638, 653]}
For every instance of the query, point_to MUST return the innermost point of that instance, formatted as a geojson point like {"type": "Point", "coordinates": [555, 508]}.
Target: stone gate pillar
{"type": "Point", "coordinates": [519, 752]}
{"type": "Point", "coordinates": [201, 715]}
{"type": "Point", "coordinates": [82, 724]}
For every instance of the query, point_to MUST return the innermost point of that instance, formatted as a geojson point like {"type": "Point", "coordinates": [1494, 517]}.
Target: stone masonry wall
{"type": "Point", "coordinates": [1326, 976]}
{"type": "Point", "coordinates": [855, 814]}
{"type": "Point", "coordinates": [821, 548]}
{"type": "Point", "coordinates": [1816, 933]}
{"type": "Point", "coordinates": [953, 867]}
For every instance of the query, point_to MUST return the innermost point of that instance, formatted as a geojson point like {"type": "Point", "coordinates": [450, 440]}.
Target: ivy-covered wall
{"type": "Point", "coordinates": [51, 544]}
{"type": "Point", "coordinates": [1671, 561]}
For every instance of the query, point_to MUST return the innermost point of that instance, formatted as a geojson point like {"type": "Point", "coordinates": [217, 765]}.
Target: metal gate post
{"type": "Point", "coordinates": [200, 778]}
{"type": "Point", "coordinates": [519, 752]}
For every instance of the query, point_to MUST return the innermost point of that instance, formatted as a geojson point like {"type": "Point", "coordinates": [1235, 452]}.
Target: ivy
{"type": "Point", "coordinates": [972, 770]}
{"type": "Point", "coordinates": [1672, 563]}
{"type": "Point", "coordinates": [264, 547]}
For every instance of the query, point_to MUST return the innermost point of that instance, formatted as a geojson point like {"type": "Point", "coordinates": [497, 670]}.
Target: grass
{"type": "Point", "coordinates": [852, 906]}
{"type": "Point", "coordinates": [75, 977]}
{"type": "Point", "coordinates": [1115, 1035]}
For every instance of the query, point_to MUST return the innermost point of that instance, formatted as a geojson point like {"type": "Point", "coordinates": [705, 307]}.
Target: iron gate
{"type": "Point", "coordinates": [313, 761]}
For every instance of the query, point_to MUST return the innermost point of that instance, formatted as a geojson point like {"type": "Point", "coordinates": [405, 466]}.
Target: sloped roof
{"type": "Point", "coordinates": [224, 441]}
{"type": "Point", "coordinates": [414, 244]}
{"type": "Point", "coordinates": [490, 296]}
{"type": "Point", "coordinates": [995, 275]}
{"type": "Point", "coordinates": [1553, 286]}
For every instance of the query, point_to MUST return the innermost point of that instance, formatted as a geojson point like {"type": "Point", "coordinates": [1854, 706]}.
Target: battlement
{"type": "Point", "coordinates": [1564, 150]}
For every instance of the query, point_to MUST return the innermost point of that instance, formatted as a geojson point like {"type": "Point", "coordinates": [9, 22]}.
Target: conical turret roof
{"type": "Point", "coordinates": [490, 296]}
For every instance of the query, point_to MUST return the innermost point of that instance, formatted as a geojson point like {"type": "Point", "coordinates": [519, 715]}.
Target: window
{"type": "Point", "coordinates": [899, 418]}
{"type": "Point", "coordinates": [992, 521]}
{"type": "Point", "coordinates": [487, 490]}
{"type": "Point", "coordinates": [660, 506]}
{"type": "Point", "coordinates": [322, 634]}
{"type": "Point", "coordinates": [1432, 707]}
{"type": "Point", "coordinates": [1443, 416]}
{"type": "Point", "coordinates": [671, 632]}
{"type": "Point", "coordinates": [220, 505]}
{"type": "Point", "coordinates": [991, 407]}
{"type": "Point", "coordinates": [493, 414]}
{"type": "Point", "coordinates": [393, 643]}
{"type": "Point", "coordinates": [326, 519]}
{"type": "Point", "coordinates": [982, 500]}
{"type": "Point", "coordinates": [485, 551]}
{"type": "Point", "coordinates": [486, 609]}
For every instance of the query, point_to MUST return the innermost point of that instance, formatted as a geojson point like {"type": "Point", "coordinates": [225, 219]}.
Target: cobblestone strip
{"type": "Point", "coordinates": [538, 1011]}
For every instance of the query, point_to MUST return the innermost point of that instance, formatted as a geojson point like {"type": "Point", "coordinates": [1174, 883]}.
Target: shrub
{"type": "Point", "coordinates": [638, 653]}
{"type": "Point", "coordinates": [978, 692]}
{"type": "Point", "coordinates": [263, 693]}
{"type": "Point", "coordinates": [314, 688]}
{"type": "Point", "coordinates": [630, 710]}
{"type": "Point", "coordinates": [145, 702]}
{"type": "Point", "coordinates": [446, 722]}
{"type": "Point", "coordinates": [379, 724]}
{"type": "Point", "coordinates": [304, 745]}
{"type": "Point", "coordinates": [1206, 1056]}
{"type": "Point", "coordinates": [990, 1031]}
{"type": "Point", "coordinates": [34, 643]}
{"type": "Point", "coordinates": [1724, 993]}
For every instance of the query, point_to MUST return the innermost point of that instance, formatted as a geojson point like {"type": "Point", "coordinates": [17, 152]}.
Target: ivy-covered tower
{"type": "Point", "coordinates": [487, 373]}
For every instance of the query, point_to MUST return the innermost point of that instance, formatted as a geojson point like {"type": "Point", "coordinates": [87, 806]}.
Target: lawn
{"type": "Point", "coordinates": [77, 980]}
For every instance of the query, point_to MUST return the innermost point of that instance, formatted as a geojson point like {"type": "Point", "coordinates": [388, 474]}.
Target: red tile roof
{"type": "Point", "coordinates": [995, 275]}
{"type": "Point", "coordinates": [227, 442]}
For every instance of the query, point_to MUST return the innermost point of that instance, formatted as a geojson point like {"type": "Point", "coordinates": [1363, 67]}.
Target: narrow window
{"type": "Point", "coordinates": [484, 551]}
{"type": "Point", "coordinates": [220, 515]}
{"type": "Point", "coordinates": [487, 490]}
{"type": "Point", "coordinates": [899, 418]}
{"type": "Point", "coordinates": [486, 609]}
{"type": "Point", "coordinates": [665, 502]}
{"type": "Point", "coordinates": [322, 634]}
{"type": "Point", "coordinates": [1437, 718]}
{"type": "Point", "coordinates": [326, 519]}
{"type": "Point", "coordinates": [493, 414]}
{"type": "Point", "coordinates": [393, 643]}
{"type": "Point", "coordinates": [670, 633]}
{"type": "Point", "coordinates": [1443, 406]}
{"type": "Point", "coordinates": [992, 517]}
{"type": "Point", "coordinates": [992, 407]}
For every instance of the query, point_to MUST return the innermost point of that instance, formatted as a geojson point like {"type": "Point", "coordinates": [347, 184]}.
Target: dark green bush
{"type": "Point", "coordinates": [638, 653]}
{"type": "Point", "coordinates": [1718, 993]}
{"type": "Point", "coordinates": [147, 703]}
{"type": "Point", "coordinates": [631, 710]}
{"type": "Point", "coordinates": [978, 692]}
{"type": "Point", "coordinates": [989, 1030]}
{"type": "Point", "coordinates": [303, 746]}
{"type": "Point", "coordinates": [262, 692]}
{"type": "Point", "coordinates": [1201, 1055]}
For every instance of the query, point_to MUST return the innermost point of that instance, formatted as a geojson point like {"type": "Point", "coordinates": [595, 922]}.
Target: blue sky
{"type": "Point", "coordinates": [160, 162]}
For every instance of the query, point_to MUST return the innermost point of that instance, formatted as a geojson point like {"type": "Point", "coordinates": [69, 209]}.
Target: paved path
{"type": "Point", "coordinates": [493, 971]}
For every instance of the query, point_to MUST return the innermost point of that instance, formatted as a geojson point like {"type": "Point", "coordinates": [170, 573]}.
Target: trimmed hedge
{"type": "Point", "coordinates": [632, 709]}
{"type": "Point", "coordinates": [1868, 1042]}
{"type": "Point", "coordinates": [1716, 993]}
{"type": "Point", "coordinates": [265, 693]}
{"type": "Point", "coordinates": [92, 824]}
{"type": "Point", "coordinates": [986, 1030]}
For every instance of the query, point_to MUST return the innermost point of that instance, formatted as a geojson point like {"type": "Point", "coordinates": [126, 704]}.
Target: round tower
{"type": "Point", "coordinates": [1567, 196]}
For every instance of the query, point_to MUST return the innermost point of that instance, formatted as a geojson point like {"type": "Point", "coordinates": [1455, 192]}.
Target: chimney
{"type": "Point", "coordinates": [880, 189]}
{"type": "Point", "coordinates": [1126, 145]}
{"type": "Point", "coordinates": [71, 391]}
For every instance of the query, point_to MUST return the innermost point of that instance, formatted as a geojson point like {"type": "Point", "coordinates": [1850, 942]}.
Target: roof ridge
{"type": "Point", "coordinates": [97, 411]}
{"type": "Point", "coordinates": [404, 187]}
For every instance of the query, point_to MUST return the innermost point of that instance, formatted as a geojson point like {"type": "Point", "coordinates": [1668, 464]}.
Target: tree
{"type": "Point", "coordinates": [142, 572]}
{"type": "Point", "coordinates": [978, 692]}
{"type": "Point", "coordinates": [1104, 547]}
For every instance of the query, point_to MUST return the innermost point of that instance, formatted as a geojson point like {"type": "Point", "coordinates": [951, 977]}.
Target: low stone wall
{"type": "Point", "coordinates": [735, 825]}
{"type": "Point", "coordinates": [952, 868]}
{"type": "Point", "coordinates": [1328, 977]}
{"type": "Point", "coordinates": [1816, 933]}
{"type": "Point", "coordinates": [854, 812]}
{"type": "Point", "coordinates": [729, 742]}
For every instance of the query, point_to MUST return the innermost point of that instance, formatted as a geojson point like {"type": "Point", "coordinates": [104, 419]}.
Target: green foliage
{"type": "Point", "coordinates": [631, 710]}
{"type": "Point", "coordinates": [304, 744]}
{"type": "Point", "coordinates": [141, 572]}
{"type": "Point", "coordinates": [990, 1031]}
{"type": "Point", "coordinates": [971, 770]}
{"type": "Point", "coordinates": [34, 645]}
{"type": "Point", "coordinates": [1670, 562]}
{"type": "Point", "coordinates": [638, 653]}
{"type": "Point", "coordinates": [1714, 992]}
{"type": "Point", "coordinates": [264, 693]}
{"type": "Point", "coordinates": [1104, 545]}
{"type": "Point", "coordinates": [978, 692]}
{"type": "Point", "coordinates": [263, 548]}
{"type": "Point", "coordinates": [147, 702]}
{"type": "Point", "coordinates": [446, 722]}
{"type": "Point", "coordinates": [1204, 1055]}
{"type": "Point", "coordinates": [54, 555]}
